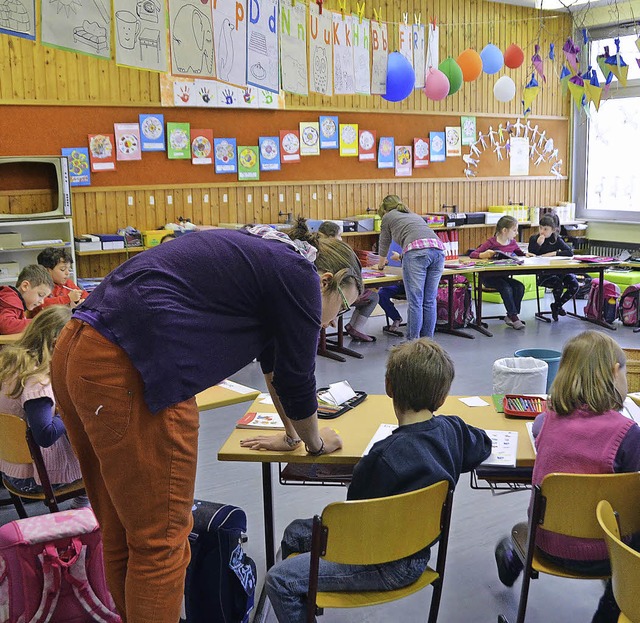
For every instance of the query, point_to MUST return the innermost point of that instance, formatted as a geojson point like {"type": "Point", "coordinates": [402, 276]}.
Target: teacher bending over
{"type": "Point", "coordinates": [162, 327]}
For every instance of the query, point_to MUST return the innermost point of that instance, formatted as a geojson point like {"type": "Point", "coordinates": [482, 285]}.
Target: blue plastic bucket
{"type": "Point", "coordinates": [552, 357]}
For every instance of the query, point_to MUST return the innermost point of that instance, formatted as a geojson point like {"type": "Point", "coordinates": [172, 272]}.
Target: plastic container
{"type": "Point", "coordinates": [551, 357]}
{"type": "Point", "coordinates": [519, 375]}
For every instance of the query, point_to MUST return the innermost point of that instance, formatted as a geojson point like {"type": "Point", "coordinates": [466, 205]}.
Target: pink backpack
{"type": "Point", "coordinates": [52, 571]}
{"type": "Point", "coordinates": [462, 313]}
{"type": "Point", "coordinates": [611, 297]}
{"type": "Point", "coordinates": [629, 304]}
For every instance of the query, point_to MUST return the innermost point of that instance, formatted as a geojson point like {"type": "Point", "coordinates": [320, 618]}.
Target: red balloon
{"type": "Point", "coordinates": [513, 56]}
{"type": "Point", "coordinates": [471, 64]}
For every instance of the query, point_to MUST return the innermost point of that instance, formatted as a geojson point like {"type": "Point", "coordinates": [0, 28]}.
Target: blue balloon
{"type": "Point", "coordinates": [401, 79]}
{"type": "Point", "coordinates": [492, 59]}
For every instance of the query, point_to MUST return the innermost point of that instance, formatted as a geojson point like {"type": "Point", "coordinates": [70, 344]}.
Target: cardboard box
{"type": "Point", "coordinates": [153, 237]}
{"type": "Point", "coordinates": [9, 269]}
{"type": "Point", "coordinates": [87, 243]}
{"type": "Point", "coordinates": [10, 240]}
{"type": "Point", "coordinates": [365, 223]}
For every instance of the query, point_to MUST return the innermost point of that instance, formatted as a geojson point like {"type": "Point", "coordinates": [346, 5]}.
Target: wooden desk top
{"type": "Point", "coordinates": [10, 339]}
{"type": "Point", "coordinates": [532, 266]}
{"type": "Point", "coordinates": [220, 396]}
{"type": "Point", "coordinates": [357, 427]}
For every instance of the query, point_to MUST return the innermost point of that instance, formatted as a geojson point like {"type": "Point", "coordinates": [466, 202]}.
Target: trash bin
{"type": "Point", "coordinates": [552, 357]}
{"type": "Point", "coordinates": [519, 375]}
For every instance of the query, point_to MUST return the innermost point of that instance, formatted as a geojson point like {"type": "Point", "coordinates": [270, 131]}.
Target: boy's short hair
{"type": "Point", "coordinates": [419, 375]}
{"type": "Point", "coordinates": [52, 256]}
{"type": "Point", "coordinates": [36, 275]}
{"type": "Point", "coordinates": [330, 229]}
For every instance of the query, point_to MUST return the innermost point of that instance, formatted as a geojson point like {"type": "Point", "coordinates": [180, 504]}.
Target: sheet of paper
{"type": "Point", "coordinates": [384, 430]}
{"type": "Point", "coordinates": [529, 426]}
{"type": "Point", "coordinates": [474, 401]}
{"type": "Point", "coordinates": [265, 398]}
{"type": "Point", "coordinates": [631, 410]}
{"type": "Point", "coordinates": [537, 261]}
{"type": "Point", "coordinates": [236, 387]}
{"type": "Point", "coordinates": [341, 392]}
{"type": "Point", "coordinates": [504, 445]}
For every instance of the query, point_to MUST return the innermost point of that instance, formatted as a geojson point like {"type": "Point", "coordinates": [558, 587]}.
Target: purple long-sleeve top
{"type": "Point", "coordinates": [510, 249]}
{"type": "Point", "coordinates": [192, 312]}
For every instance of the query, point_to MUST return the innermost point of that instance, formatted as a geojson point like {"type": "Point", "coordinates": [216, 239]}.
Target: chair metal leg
{"type": "Point", "coordinates": [19, 506]}
{"type": "Point", "coordinates": [524, 597]}
{"type": "Point", "coordinates": [435, 600]}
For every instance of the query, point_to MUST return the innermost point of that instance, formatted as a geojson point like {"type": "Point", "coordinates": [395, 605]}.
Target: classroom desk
{"type": "Point", "coordinates": [221, 396]}
{"type": "Point", "coordinates": [12, 338]}
{"type": "Point", "coordinates": [357, 427]}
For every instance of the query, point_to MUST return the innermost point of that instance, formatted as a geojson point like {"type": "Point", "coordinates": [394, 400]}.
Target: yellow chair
{"type": "Point", "coordinates": [18, 446]}
{"type": "Point", "coordinates": [566, 504]}
{"type": "Point", "coordinates": [625, 565]}
{"type": "Point", "coordinates": [368, 532]}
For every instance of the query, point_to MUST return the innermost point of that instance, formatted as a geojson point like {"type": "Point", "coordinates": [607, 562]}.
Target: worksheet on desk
{"type": "Point", "coordinates": [384, 430]}
{"type": "Point", "coordinates": [631, 410]}
{"type": "Point", "coordinates": [504, 446]}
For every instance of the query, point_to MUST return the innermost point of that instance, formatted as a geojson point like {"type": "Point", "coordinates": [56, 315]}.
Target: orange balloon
{"type": "Point", "coordinates": [513, 56]}
{"type": "Point", "coordinates": [471, 64]}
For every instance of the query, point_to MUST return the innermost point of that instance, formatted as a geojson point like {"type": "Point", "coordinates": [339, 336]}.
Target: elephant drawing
{"type": "Point", "coordinates": [192, 41]}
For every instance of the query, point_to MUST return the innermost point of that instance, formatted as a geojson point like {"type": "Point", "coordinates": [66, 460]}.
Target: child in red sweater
{"type": "Point", "coordinates": [33, 285]}
{"type": "Point", "coordinates": [58, 262]}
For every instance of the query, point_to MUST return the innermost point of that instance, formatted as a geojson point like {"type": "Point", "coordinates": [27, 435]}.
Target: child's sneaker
{"type": "Point", "coordinates": [82, 501]}
{"type": "Point", "coordinates": [509, 565]}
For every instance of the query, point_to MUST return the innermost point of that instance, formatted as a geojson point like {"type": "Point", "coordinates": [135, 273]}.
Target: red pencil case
{"type": "Point", "coordinates": [520, 405]}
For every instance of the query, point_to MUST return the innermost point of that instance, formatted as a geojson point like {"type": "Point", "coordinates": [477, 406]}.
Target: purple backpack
{"type": "Point", "coordinates": [462, 314]}
{"type": "Point", "coordinates": [629, 306]}
{"type": "Point", "coordinates": [52, 571]}
{"type": "Point", "coordinates": [611, 298]}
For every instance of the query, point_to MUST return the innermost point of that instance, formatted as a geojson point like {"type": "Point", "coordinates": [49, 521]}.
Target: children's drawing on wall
{"type": "Point", "coordinates": [293, 47]}
{"type": "Point", "coordinates": [80, 26]}
{"type": "Point", "coordinates": [343, 70]}
{"type": "Point", "coordinates": [263, 69]}
{"type": "Point", "coordinates": [320, 51]}
{"type": "Point", "coordinates": [18, 17]}
{"type": "Point", "coordinates": [361, 54]}
{"type": "Point", "coordinates": [191, 38]}
{"type": "Point", "coordinates": [141, 34]}
{"type": "Point", "coordinates": [419, 54]}
{"type": "Point", "coordinates": [230, 37]}
{"type": "Point", "coordinates": [380, 52]}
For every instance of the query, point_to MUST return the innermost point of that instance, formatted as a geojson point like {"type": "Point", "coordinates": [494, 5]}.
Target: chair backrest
{"type": "Point", "coordinates": [625, 563]}
{"type": "Point", "coordinates": [13, 440]}
{"type": "Point", "coordinates": [365, 532]}
{"type": "Point", "coordinates": [570, 500]}
{"type": "Point", "coordinates": [633, 368]}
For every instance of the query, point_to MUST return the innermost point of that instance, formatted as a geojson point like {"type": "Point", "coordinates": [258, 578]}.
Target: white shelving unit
{"type": "Point", "coordinates": [31, 231]}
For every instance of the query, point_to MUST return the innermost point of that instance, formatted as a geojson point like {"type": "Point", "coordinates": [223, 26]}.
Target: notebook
{"type": "Point", "coordinates": [504, 445]}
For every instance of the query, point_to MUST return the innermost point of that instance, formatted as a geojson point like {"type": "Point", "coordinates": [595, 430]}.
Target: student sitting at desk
{"type": "Point", "coordinates": [58, 262]}
{"type": "Point", "coordinates": [33, 285]}
{"type": "Point", "coordinates": [423, 450]}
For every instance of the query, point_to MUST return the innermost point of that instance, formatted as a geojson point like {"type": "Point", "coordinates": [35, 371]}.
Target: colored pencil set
{"type": "Point", "coordinates": [524, 406]}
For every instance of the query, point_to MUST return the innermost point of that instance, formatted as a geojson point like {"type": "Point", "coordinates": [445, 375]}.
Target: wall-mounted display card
{"type": "Point", "coordinates": [83, 27]}
{"type": "Point", "coordinates": [366, 145]}
{"type": "Point", "coordinates": [343, 69]}
{"type": "Point", "coordinates": [184, 93]}
{"type": "Point", "coordinates": [19, 19]}
{"type": "Point", "coordinates": [269, 100]}
{"type": "Point", "coordinates": [362, 54]}
{"type": "Point", "coordinates": [329, 132]}
{"type": "Point", "coordinates": [320, 51]}
{"type": "Point", "coordinates": [205, 93]}
{"type": "Point", "coordinates": [420, 153]}
{"type": "Point", "coordinates": [380, 53]}
{"type": "Point", "coordinates": [452, 137]}
{"type": "Point", "coordinates": [101, 152]}
{"type": "Point", "coordinates": [293, 46]}
{"type": "Point", "coordinates": [127, 136]}
{"type": "Point", "coordinates": [201, 146]}
{"type": "Point", "coordinates": [178, 141]}
{"type": "Point", "coordinates": [309, 138]}
{"type": "Point", "coordinates": [433, 45]}
{"type": "Point", "coordinates": [248, 163]}
{"type": "Point", "coordinates": [386, 152]}
{"type": "Point", "coordinates": [79, 168]}
{"type": "Point", "coordinates": [437, 145]}
{"type": "Point", "coordinates": [191, 26]}
{"type": "Point", "coordinates": [468, 127]}
{"type": "Point", "coordinates": [269, 153]}
{"type": "Point", "coordinates": [263, 69]}
{"type": "Point", "coordinates": [405, 37]}
{"type": "Point", "coordinates": [348, 139]}
{"type": "Point", "coordinates": [419, 54]}
{"type": "Point", "coordinates": [518, 155]}
{"type": "Point", "coordinates": [230, 39]}
{"type": "Point", "coordinates": [289, 146]}
{"type": "Point", "coordinates": [152, 132]}
{"type": "Point", "coordinates": [403, 161]}
{"type": "Point", "coordinates": [224, 152]}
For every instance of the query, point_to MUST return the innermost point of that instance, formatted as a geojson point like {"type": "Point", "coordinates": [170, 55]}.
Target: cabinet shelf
{"type": "Point", "coordinates": [36, 247]}
{"type": "Point", "coordinates": [111, 251]}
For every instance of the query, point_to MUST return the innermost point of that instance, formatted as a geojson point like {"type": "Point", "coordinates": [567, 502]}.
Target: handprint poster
{"type": "Point", "coordinates": [230, 41]}
{"type": "Point", "coordinates": [201, 146]}
{"type": "Point", "coordinates": [191, 25]}
{"type": "Point", "coordinates": [183, 93]}
{"type": "Point", "coordinates": [224, 151]}
{"type": "Point", "coordinates": [361, 55]}
{"type": "Point", "coordinates": [178, 141]}
{"type": "Point", "coordinates": [320, 51]}
{"type": "Point", "coordinates": [343, 69]}
{"type": "Point", "coordinates": [152, 132]}
{"type": "Point", "coordinates": [263, 70]}
{"type": "Point", "coordinates": [204, 93]}
{"type": "Point", "coordinates": [293, 47]}
{"type": "Point", "coordinates": [229, 96]}
{"type": "Point", "coordinates": [380, 52]}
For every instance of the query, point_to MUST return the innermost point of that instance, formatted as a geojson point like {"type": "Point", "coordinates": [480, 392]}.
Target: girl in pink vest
{"type": "Point", "coordinates": [583, 432]}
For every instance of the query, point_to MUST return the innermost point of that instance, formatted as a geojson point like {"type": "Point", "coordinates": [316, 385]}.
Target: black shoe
{"type": "Point", "coordinates": [509, 565]}
{"type": "Point", "coordinates": [554, 311]}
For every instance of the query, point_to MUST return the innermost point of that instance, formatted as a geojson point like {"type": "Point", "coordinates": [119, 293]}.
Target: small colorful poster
{"type": "Point", "coordinates": [309, 138]}
{"type": "Point", "coordinates": [152, 132]}
{"type": "Point", "coordinates": [101, 153]}
{"type": "Point", "coordinates": [178, 141]}
{"type": "Point", "coordinates": [201, 146]}
{"type": "Point", "coordinates": [289, 146]}
{"type": "Point", "coordinates": [367, 145]}
{"type": "Point", "coordinates": [127, 141]}
{"type": "Point", "coordinates": [452, 137]}
{"type": "Point", "coordinates": [386, 152]}
{"type": "Point", "coordinates": [437, 145]}
{"type": "Point", "coordinates": [269, 153]}
{"type": "Point", "coordinates": [79, 167]}
{"type": "Point", "coordinates": [328, 132]}
{"type": "Point", "coordinates": [348, 139]}
{"type": "Point", "coordinates": [468, 127]}
{"type": "Point", "coordinates": [248, 164]}
{"type": "Point", "coordinates": [224, 151]}
{"type": "Point", "coordinates": [403, 161]}
{"type": "Point", "coordinates": [420, 153]}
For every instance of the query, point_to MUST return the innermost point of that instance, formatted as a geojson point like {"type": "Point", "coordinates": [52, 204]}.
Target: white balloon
{"type": "Point", "coordinates": [504, 89]}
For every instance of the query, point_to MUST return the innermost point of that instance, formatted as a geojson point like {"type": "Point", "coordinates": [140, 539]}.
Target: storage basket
{"type": "Point", "coordinates": [633, 369]}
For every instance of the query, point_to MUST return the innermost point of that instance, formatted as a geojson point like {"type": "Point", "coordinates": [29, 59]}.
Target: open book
{"type": "Point", "coordinates": [265, 421]}
{"type": "Point", "coordinates": [504, 445]}
{"type": "Point", "coordinates": [501, 255]}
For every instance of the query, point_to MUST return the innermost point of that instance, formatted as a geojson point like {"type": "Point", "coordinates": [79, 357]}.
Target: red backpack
{"type": "Point", "coordinates": [611, 298]}
{"type": "Point", "coordinates": [462, 314]}
{"type": "Point", "coordinates": [629, 303]}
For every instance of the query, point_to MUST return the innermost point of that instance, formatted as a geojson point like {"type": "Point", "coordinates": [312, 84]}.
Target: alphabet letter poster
{"type": "Point", "coordinates": [263, 70]}
{"type": "Point", "coordinates": [230, 30]}
{"type": "Point", "coordinates": [293, 47]}
{"type": "Point", "coordinates": [380, 48]}
{"type": "Point", "coordinates": [361, 55]}
{"type": "Point", "coordinates": [320, 51]}
{"type": "Point", "coordinates": [343, 71]}
{"type": "Point", "coordinates": [191, 24]}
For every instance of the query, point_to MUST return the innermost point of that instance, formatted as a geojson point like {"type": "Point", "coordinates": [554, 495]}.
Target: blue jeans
{"type": "Point", "coordinates": [288, 581]}
{"type": "Point", "coordinates": [385, 295]}
{"type": "Point", "coordinates": [511, 290]}
{"type": "Point", "coordinates": [421, 272]}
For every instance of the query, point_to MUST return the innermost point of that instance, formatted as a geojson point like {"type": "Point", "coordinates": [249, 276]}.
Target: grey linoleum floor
{"type": "Point", "coordinates": [472, 592]}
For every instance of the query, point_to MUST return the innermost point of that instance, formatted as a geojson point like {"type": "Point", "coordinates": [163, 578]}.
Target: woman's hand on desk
{"type": "Point", "coordinates": [332, 441]}
{"type": "Point", "coordinates": [275, 443]}
{"type": "Point", "coordinates": [382, 263]}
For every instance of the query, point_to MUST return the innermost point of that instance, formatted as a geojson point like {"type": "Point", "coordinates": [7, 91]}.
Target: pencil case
{"type": "Point", "coordinates": [329, 412]}
{"type": "Point", "coordinates": [523, 406]}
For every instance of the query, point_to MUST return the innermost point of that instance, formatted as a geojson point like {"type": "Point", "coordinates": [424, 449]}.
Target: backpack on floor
{"type": "Point", "coordinates": [52, 570]}
{"type": "Point", "coordinates": [611, 298]}
{"type": "Point", "coordinates": [629, 303]}
{"type": "Point", "coordinates": [462, 312]}
{"type": "Point", "coordinates": [584, 286]}
{"type": "Point", "coordinates": [221, 578]}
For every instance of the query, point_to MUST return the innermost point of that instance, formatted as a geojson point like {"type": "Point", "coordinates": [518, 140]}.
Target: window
{"type": "Point", "coordinates": [606, 174]}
